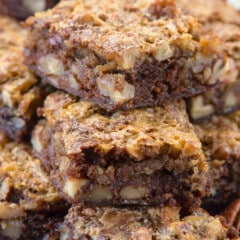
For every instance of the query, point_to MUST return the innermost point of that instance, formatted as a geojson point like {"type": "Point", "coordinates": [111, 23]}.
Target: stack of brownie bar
{"type": "Point", "coordinates": [119, 120]}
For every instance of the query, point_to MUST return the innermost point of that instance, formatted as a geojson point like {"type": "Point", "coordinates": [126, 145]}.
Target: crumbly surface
{"type": "Point", "coordinates": [123, 54]}
{"type": "Point", "coordinates": [221, 19]}
{"type": "Point", "coordinates": [25, 185]}
{"type": "Point", "coordinates": [145, 223]}
{"type": "Point", "coordinates": [37, 226]}
{"type": "Point", "coordinates": [142, 156]}
{"type": "Point", "coordinates": [20, 91]}
{"type": "Point", "coordinates": [220, 139]}
{"type": "Point", "coordinates": [21, 9]}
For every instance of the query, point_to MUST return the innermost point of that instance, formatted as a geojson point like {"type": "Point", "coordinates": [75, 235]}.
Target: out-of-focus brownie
{"type": "Point", "coordinates": [221, 19]}
{"type": "Point", "coordinates": [25, 186]}
{"type": "Point", "coordinates": [21, 9]}
{"type": "Point", "coordinates": [220, 139]}
{"type": "Point", "coordinates": [37, 226]}
{"type": "Point", "coordinates": [123, 54]}
{"type": "Point", "coordinates": [144, 223]}
{"type": "Point", "coordinates": [20, 91]}
{"type": "Point", "coordinates": [30, 207]}
{"type": "Point", "coordinates": [141, 156]}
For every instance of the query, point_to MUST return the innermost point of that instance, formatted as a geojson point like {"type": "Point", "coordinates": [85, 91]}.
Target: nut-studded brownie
{"type": "Point", "coordinates": [20, 90]}
{"type": "Point", "coordinates": [30, 207]}
{"type": "Point", "coordinates": [21, 9]}
{"type": "Point", "coordinates": [24, 184]}
{"type": "Point", "coordinates": [144, 223]}
{"type": "Point", "coordinates": [123, 54]}
{"type": "Point", "coordinates": [141, 156]}
{"type": "Point", "coordinates": [222, 20]}
{"type": "Point", "coordinates": [220, 139]}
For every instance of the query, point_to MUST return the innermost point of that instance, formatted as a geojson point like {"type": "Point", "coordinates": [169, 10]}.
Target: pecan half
{"type": "Point", "coordinates": [232, 214]}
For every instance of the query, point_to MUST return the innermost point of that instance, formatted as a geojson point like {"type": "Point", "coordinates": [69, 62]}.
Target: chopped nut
{"type": "Point", "coordinates": [218, 70]}
{"type": "Point", "coordinates": [142, 233]}
{"type": "Point", "coordinates": [10, 211]}
{"type": "Point", "coordinates": [100, 193]}
{"type": "Point", "coordinates": [163, 52]}
{"type": "Point", "coordinates": [36, 142]}
{"type": "Point", "coordinates": [73, 83]}
{"type": "Point", "coordinates": [129, 57]}
{"type": "Point", "coordinates": [131, 192]}
{"type": "Point", "coordinates": [207, 73]}
{"type": "Point", "coordinates": [5, 188]}
{"type": "Point", "coordinates": [198, 109]}
{"type": "Point", "coordinates": [49, 64]}
{"type": "Point", "coordinates": [7, 99]}
{"type": "Point", "coordinates": [232, 214]}
{"type": "Point", "coordinates": [116, 88]}
{"type": "Point", "coordinates": [12, 229]}
{"type": "Point", "coordinates": [73, 186]}
{"type": "Point", "coordinates": [230, 101]}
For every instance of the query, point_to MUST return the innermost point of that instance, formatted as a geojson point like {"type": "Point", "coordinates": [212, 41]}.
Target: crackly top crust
{"type": "Point", "coordinates": [124, 33]}
{"type": "Point", "coordinates": [214, 10]}
{"type": "Point", "coordinates": [24, 183]}
{"type": "Point", "coordinates": [141, 133]}
{"type": "Point", "coordinates": [147, 223]}
{"type": "Point", "coordinates": [120, 31]}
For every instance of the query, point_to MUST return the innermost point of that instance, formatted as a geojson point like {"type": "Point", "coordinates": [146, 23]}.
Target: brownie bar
{"type": "Point", "coordinates": [220, 139]}
{"type": "Point", "coordinates": [123, 54]}
{"type": "Point", "coordinates": [141, 156]}
{"type": "Point", "coordinates": [20, 91]}
{"type": "Point", "coordinates": [21, 9]}
{"type": "Point", "coordinates": [221, 19]}
{"type": "Point", "coordinates": [142, 223]}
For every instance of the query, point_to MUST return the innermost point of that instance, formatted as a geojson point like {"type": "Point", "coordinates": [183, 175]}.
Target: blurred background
{"type": "Point", "coordinates": [235, 3]}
